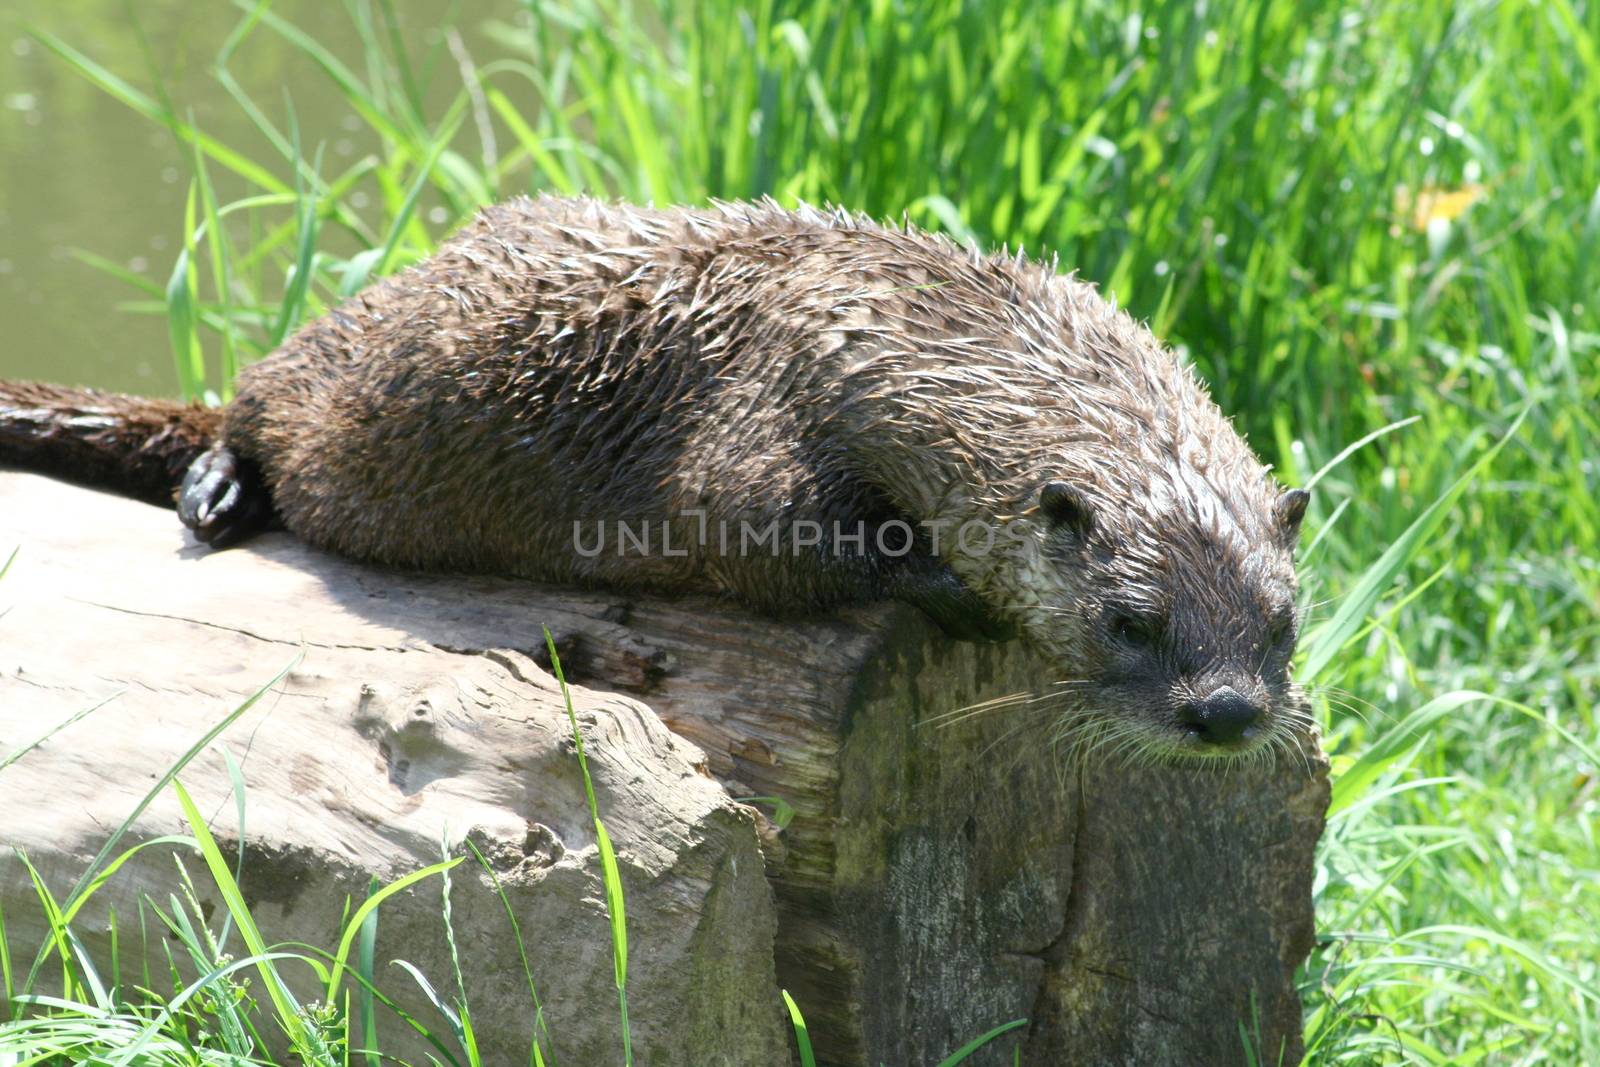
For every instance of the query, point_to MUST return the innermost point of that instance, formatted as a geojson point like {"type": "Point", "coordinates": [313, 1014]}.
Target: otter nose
{"type": "Point", "coordinates": [1221, 717]}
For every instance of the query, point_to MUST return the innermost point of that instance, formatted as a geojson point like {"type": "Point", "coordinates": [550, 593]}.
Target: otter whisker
{"type": "Point", "coordinates": [950, 718]}
{"type": "Point", "coordinates": [1059, 690]}
{"type": "Point", "coordinates": [1294, 714]}
{"type": "Point", "coordinates": [1083, 735]}
{"type": "Point", "coordinates": [1299, 749]}
{"type": "Point", "coordinates": [1131, 744]}
{"type": "Point", "coordinates": [947, 719]}
{"type": "Point", "coordinates": [1324, 690]}
{"type": "Point", "coordinates": [1346, 706]}
{"type": "Point", "coordinates": [1005, 736]}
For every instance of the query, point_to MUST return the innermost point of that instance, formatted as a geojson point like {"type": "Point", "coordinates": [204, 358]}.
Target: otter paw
{"type": "Point", "coordinates": [223, 498]}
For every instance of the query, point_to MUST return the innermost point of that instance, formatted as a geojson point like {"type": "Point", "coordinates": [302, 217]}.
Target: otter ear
{"type": "Point", "coordinates": [1066, 506]}
{"type": "Point", "coordinates": [1289, 509]}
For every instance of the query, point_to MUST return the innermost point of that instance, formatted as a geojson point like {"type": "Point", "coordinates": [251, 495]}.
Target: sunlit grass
{"type": "Point", "coordinates": [1347, 215]}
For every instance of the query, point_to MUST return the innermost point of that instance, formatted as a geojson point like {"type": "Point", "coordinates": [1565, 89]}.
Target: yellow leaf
{"type": "Point", "coordinates": [1433, 202]}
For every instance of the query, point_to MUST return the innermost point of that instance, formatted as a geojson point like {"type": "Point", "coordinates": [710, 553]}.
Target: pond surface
{"type": "Point", "coordinates": [83, 171]}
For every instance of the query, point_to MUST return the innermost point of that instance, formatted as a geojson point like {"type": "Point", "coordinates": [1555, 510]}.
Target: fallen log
{"type": "Point", "coordinates": [939, 878]}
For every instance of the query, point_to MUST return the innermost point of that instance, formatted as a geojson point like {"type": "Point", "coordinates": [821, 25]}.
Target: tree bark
{"type": "Point", "coordinates": [941, 876]}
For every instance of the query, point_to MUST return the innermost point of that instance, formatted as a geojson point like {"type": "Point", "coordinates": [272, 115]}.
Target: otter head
{"type": "Point", "coordinates": [1174, 617]}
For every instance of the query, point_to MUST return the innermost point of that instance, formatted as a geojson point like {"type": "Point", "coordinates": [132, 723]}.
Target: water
{"type": "Point", "coordinates": [84, 171]}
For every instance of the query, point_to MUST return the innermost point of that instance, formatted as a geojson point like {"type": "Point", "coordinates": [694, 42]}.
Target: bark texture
{"type": "Point", "coordinates": [940, 878]}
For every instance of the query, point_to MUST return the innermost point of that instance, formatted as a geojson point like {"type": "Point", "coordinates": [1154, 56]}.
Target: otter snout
{"type": "Point", "coordinates": [1222, 717]}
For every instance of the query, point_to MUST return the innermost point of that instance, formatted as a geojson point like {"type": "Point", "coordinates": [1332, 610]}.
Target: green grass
{"type": "Point", "coordinates": [1346, 215]}
{"type": "Point", "coordinates": [616, 910]}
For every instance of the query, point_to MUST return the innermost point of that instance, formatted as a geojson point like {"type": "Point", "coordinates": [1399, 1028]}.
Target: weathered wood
{"type": "Point", "coordinates": [937, 880]}
{"type": "Point", "coordinates": [375, 747]}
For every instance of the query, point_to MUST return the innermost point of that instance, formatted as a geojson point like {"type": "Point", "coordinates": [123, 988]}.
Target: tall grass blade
{"type": "Point", "coordinates": [960, 1055]}
{"type": "Point", "coordinates": [304, 1039]}
{"type": "Point", "coordinates": [1328, 640]}
{"type": "Point", "coordinates": [802, 1037]}
{"type": "Point", "coordinates": [182, 304]}
{"type": "Point", "coordinates": [536, 1053]}
{"type": "Point", "coordinates": [366, 969]}
{"type": "Point", "coordinates": [353, 927]}
{"type": "Point", "coordinates": [12, 757]}
{"type": "Point", "coordinates": [121, 90]}
{"type": "Point", "coordinates": [608, 859]}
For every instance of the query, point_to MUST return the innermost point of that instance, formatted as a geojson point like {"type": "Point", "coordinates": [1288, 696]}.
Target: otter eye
{"type": "Point", "coordinates": [1135, 630]}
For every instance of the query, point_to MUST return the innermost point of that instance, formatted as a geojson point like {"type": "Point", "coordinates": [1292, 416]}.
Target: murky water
{"type": "Point", "coordinates": [82, 171]}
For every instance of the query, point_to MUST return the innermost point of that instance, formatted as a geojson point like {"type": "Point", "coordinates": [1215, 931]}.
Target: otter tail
{"type": "Point", "coordinates": [140, 448]}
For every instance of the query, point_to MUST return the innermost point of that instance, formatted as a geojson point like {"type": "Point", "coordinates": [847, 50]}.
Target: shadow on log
{"type": "Point", "coordinates": [937, 880]}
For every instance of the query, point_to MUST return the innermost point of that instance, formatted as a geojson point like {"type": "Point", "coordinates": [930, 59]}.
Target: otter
{"type": "Point", "coordinates": [560, 364]}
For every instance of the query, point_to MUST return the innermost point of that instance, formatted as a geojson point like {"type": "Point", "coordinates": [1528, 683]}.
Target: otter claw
{"type": "Point", "coordinates": [223, 498]}
{"type": "Point", "coordinates": [216, 497]}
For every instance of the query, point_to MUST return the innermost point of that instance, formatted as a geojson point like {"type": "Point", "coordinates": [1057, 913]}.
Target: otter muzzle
{"type": "Point", "coordinates": [1222, 717]}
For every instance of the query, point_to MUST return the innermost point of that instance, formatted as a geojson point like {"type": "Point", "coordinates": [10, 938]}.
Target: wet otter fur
{"type": "Point", "coordinates": [567, 361]}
